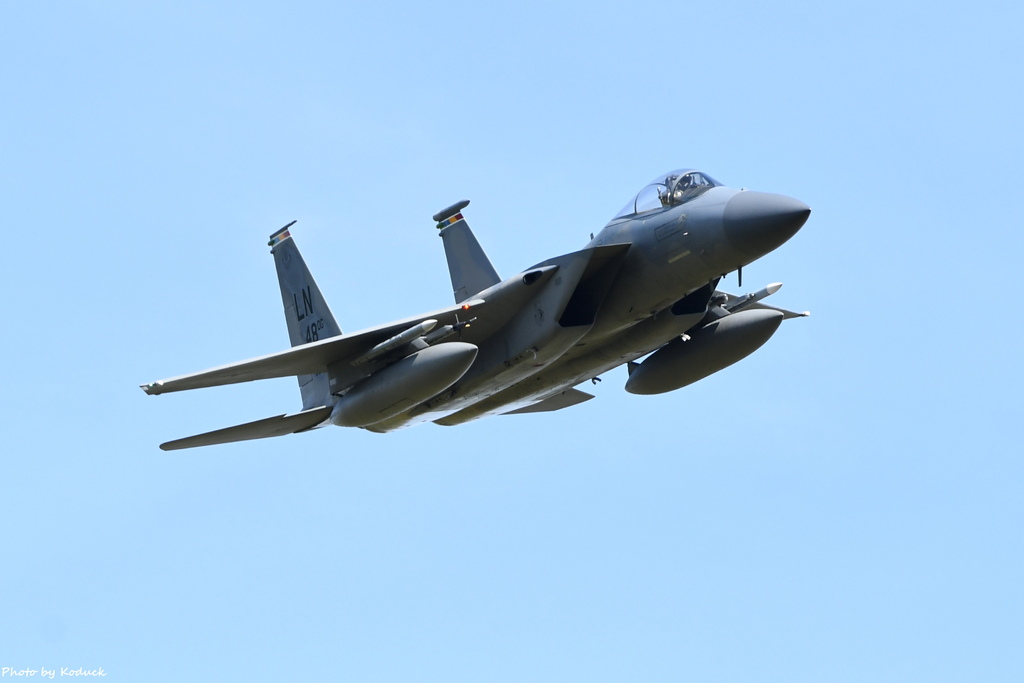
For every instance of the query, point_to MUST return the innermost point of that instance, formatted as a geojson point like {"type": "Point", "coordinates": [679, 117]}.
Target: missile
{"type": "Point", "coordinates": [739, 303]}
{"type": "Point", "coordinates": [398, 341]}
{"type": "Point", "coordinates": [440, 334]}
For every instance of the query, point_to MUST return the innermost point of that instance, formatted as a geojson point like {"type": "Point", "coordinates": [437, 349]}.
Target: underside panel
{"type": "Point", "coordinates": [567, 398]}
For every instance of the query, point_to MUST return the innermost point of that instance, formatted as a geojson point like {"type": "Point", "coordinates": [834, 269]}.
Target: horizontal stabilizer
{"type": "Point", "coordinates": [570, 397]}
{"type": "Point", "coordinates": [260, 429]}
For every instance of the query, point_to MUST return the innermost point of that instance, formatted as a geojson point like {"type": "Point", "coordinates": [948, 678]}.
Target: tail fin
{"type": "Point", "coordinates": [470, 269]}
{"type": "Point", "coordinates": [308, 316]}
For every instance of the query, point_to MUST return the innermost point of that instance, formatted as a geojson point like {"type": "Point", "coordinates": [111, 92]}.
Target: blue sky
{"type": "Point", "coordinates": [843, 505]}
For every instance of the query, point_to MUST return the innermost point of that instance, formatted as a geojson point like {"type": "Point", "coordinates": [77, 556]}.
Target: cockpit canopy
{"type": "Point", "coordinates": [672, 189]}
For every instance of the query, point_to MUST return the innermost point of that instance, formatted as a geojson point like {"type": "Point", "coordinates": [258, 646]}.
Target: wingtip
{"type": "Point", "coordinates": [152, 388]}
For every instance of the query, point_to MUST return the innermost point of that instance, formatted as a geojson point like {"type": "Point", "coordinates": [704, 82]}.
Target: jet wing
{"type": "Point", "coordinates": [487, 314]}
{"type": "Point", "coordinates": [308, 359]}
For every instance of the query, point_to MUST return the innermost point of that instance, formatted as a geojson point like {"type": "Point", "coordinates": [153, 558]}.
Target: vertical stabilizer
{"type": "Point", "coordinates": [308, 316]}
{"type": "Point", "coordinates": [470, 269]}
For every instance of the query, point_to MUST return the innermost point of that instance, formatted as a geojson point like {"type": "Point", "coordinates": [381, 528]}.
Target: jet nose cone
{"type": "Point", "coordinates": [757, 222]}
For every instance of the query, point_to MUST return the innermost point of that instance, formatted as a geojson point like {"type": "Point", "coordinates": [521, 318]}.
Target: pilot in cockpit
{"type": "Point", "coordinates": [681, 188]}
{"type": "Point", "coordinates": [672, 189]}
{"type": "Point", "coordinates": [678, 189]}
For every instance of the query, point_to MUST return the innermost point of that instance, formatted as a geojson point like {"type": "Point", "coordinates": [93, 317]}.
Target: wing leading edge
{"type": "Point", "coordinates": [308, 359]}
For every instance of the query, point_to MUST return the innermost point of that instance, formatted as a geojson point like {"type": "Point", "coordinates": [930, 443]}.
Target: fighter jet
{"type": "Point", "coordinates": [646, 285]}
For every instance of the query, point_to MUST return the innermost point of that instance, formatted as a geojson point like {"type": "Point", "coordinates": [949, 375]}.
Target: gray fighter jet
{"type": "Point", "coordinates": [647, 284]}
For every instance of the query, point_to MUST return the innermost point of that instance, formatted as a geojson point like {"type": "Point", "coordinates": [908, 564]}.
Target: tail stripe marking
{"type": "Point", "coordinates": [448, 221]}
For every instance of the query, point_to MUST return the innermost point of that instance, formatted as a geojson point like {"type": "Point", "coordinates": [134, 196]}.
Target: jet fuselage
{"type": "Point", "coordinates": [672, 252]}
